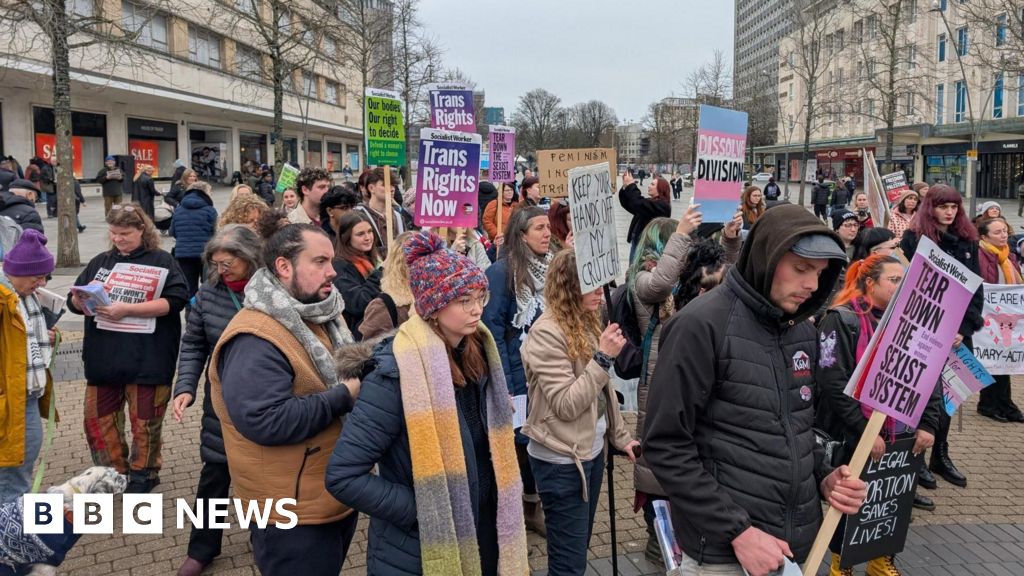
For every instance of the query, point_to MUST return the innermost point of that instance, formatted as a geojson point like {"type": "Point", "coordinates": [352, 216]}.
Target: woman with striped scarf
{"type": "Point", "coordinates": [435, 418]}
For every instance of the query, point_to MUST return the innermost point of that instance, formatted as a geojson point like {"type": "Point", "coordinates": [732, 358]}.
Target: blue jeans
{"type": "Point", "coordinates": [17, 480]}
{"type": "Point", "coordinates": [568, 518]}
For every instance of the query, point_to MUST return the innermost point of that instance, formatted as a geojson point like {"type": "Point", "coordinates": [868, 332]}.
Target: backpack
{"type": "Point", "coordinates": [389, 303]}
{"type": "Point", "coordinates": [46, 173]}
{"type": "Point", "coordinates": [632, 359]}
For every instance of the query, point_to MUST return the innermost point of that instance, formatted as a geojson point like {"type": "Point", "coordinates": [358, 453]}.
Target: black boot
{"type": "Point", "coordinates": [926, 480]}
{"type": "Point", "coordinates": [923, 502]}
{"type": "Point", "coordinates": [943, 465]}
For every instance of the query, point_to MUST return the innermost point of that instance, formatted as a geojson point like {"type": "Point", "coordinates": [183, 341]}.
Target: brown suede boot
{"type": "Point", "coordinates": [533, 513]}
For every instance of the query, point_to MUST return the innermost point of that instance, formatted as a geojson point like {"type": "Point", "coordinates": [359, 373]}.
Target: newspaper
{"type": "Point", "coordinates": [91, 296]}
{"type": "Point", "coordinates": [670, 551]}
{"type": "Point", "coordinates": [132, 284]}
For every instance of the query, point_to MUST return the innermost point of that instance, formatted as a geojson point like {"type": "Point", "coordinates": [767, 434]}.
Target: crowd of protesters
{"type": "Point", "coordinates": [362, 365]}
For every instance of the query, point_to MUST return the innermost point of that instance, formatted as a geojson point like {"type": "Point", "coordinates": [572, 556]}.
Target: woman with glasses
{"type": "Point", "coordinates": [231, 258]}
{"type": "Point", "coordinates": [998, 265]}
{"type": "Point", "coordinates": [357, 266]}
{"type": "Point", "coordinates": [874, 241]}
{"type": "Point", "coordinates": [192, 226]}
{"type": "Point", "coordinates": [573, 411]}
{"type": "Point", "coordinates": [517, 285]}
{"type": "Point", "coordinates": [435, 420]}
{"type": "Point", "coordinates": [844, 334]}
{"type": "Point", "coordinates": [130, 367]}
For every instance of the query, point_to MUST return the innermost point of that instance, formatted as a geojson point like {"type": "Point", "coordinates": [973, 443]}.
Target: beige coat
{"type": "Point", "coordinates": [563, 396]}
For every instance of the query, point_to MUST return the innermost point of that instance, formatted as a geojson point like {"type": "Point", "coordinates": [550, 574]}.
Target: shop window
{"type": "Point", "coordinates": [204, 47]}
{"type": "Point", "coordinates": [88, 140]}
{"type": "Point", "coordinates": [314, 153]}
{"type": "Point", "coordinates": [151, 28]}
{"type": "Point", "coordinates": [335, 153]}
{"type": "Point", "coordinates": [997, 97]}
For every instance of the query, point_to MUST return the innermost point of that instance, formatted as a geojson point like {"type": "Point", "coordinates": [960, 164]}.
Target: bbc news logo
{"type": "Point", "coordinates": [144, 513]}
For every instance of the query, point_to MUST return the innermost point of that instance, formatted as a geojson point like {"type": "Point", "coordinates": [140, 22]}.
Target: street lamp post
{"type": "Point", "coordinates": [972, 159]}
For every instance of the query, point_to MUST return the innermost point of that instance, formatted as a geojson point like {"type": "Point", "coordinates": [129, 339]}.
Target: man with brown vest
{"type": "Point", "coordinates": [279, 400]}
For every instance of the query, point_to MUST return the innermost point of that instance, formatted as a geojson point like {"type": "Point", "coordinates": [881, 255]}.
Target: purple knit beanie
{"type": "Point", "coordinates": [437, 275]}
{"type": "Point", "coordinates": [29, 256]}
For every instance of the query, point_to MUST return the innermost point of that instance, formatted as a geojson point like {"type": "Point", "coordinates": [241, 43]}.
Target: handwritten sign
{"type": "Point", "coordinates": [962, 377]}
{"type": "Point", "coordinates": [502, 147]}
{"type": "Point", "coordinates": [553, 167]}
{"type": "Point", "coordinates": [880, 529]}
{"type": "Point", "coordinates": [999, 345]}
{"type": "Point", "coordinates": [916, 335]}
{"type": "Point", "coordinates": [447, 179]}
{"type": "Point", "coordinates": [721, 148]}
{"type": "Point", "coordinates": [592, 208]}
{"type": "Point", "coordinates": [382, 124]}
{"type": "Point", "coordinates": [451, 107]}
{"type": "Point", "coordinates": [894, 185]}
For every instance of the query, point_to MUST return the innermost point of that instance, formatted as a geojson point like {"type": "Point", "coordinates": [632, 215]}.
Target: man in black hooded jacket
{"type": "Point", "coordinates": [731, 408]}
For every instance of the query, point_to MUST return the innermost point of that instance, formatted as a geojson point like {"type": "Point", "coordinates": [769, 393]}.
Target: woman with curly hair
{"type": "Point", "coordinates": [752, 205]}
{"type": "Point", "coordinates": [573, 410]}
{"type": "Point", "coordinates": [244, 209]}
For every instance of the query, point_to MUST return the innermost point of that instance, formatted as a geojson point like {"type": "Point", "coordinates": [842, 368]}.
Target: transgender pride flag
{"type": "Point", "coordinates": [721, 145]}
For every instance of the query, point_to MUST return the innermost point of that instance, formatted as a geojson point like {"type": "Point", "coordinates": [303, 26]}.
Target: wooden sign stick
{"type": "Point", "coordinates": [831, 521]}
{"type": "Point", "coordinates": [387, 204]}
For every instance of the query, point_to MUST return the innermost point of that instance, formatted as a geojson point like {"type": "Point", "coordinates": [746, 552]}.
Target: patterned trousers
{"type": "Point", "coordinates": [105, 430]}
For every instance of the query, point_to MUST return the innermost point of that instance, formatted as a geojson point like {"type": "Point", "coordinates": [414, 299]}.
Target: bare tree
{"type": "Point", "coordinates": [889, 74]}
{"type": "Point", "coordinates": [368, 27]}
{"type": "Point", "coordinates": [997, 34]}
{"type": "Point", "coordinates": [535, 118]}
{"type": "Point", "coordinates": [62, 31]}
{"type": "Point", "coordinates": [417, 57]}
{"type": "Point", "coordinates": [592, 119]}
{"type": "Point", "coordinates": [812, 21]}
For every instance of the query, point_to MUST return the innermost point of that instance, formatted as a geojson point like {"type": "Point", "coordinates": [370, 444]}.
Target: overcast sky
{"type": "Point", "coordinates": [627, 54]}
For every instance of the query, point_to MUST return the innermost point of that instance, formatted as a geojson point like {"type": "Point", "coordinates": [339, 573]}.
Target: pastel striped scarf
{"type": "Point", "coordinates": [447, 530]}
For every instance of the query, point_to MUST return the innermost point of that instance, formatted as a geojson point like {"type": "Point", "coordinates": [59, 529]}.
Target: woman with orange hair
{"type": "Point", "coordinates": [843, 338]}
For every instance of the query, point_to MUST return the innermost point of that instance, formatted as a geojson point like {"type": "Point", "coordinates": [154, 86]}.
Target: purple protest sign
{"type": "Point", "coordinates": [451, 108]}
{"type": "Point", "coordinates": [501, 142]}
{"type": "Point", "coordinates": [916, 335]}
{"type": "Point", "coordinates": [447, 179]}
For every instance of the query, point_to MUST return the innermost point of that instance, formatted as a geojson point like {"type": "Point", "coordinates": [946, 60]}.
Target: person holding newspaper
{"type": "Point", "coordinates": [131, 344]}
{"type": "Point", "coordinates": [730, 410]}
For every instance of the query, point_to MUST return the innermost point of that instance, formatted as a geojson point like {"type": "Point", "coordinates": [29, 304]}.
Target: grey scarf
{"type": "Point", "coordinates": [530, 302]}
{"type": "Point", "coordinates": [265, 293]}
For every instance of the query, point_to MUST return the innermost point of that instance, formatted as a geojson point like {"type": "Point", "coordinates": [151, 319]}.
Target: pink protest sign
{"type": "Point", "coordinates": [501, 141]}
{"type": "Point", "coordinates": [916, 335]}
{"type": "Point", "coordinates": [721, 149]}
{"type": "Point", "coordinates": [447, 179]}
{"type": "Point", "coordinates": [451, 107]}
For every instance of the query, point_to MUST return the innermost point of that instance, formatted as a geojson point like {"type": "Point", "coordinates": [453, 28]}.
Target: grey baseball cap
{"type": "Point", "coordinates": [818, 246]}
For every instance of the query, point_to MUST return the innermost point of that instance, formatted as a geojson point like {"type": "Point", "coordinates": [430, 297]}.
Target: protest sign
{"type": "Point", "coordinates": [382, 124]}
{"type": "Point", "coordinates": [721, 148]}
{"type": "Point", "coordinates": [811, 170]}
{"type": "Point", "coordinates": [592, 208]}
{"type": "Point", "coordinates": [962, 377]}
{"type": "Point", "coordinates": [878, 204]}
{"type": "Point", "coordinates": [501, 143]}
{"type": "Point", "coordinates": [880, 529]}
{"type": "Point", "coordinates": [132, 284]}
{"type": "Point", "coordinates": [915, 339]}
{"type": "Point", "coordinates": [999, 345]}
{"type": "Point", "coordinates": [289, 174]}
{"type": "Point", "coordinates": [451, 107]}
{"type": "Point", "coordinates": [553, 167]}
{"type": "Point", "coordinates": [894, 184]}
{"type": "Point", "coordinates": [446, 182]}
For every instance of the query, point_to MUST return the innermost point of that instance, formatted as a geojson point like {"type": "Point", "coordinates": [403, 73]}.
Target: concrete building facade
{"type": "Point", "coordinates": [760, 26]}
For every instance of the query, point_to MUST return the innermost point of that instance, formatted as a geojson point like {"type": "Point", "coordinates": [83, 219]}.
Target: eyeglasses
{"type": "Point", "coordinates": [469, 303]}
{"type": "Point", "coordinates": [850, 224]}
{"type": "Point", "coordinates": [225, 265]}
{"type": "Point", "coordinates": [125, 207]}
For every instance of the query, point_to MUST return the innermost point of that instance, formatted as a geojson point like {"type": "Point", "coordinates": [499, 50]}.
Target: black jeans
{"type": "Point", "coordinates": [997, 397]}
{"type": "Point", "coordinates": [568, 518]}
{"type": "Point", "coordinates": [214, 482]}
{"type": "Point", "coordinates": [305, 550]}
{"type": "Point", "coordinates": [525, 470]}
{"type": "Point", "coordinates": [821, 211]}
{"type": "Point", "coordinates": [192, 268]}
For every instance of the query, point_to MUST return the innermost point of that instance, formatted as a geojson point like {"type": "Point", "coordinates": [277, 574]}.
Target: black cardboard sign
{"type": "Point", "coordinates": [880, 529]}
